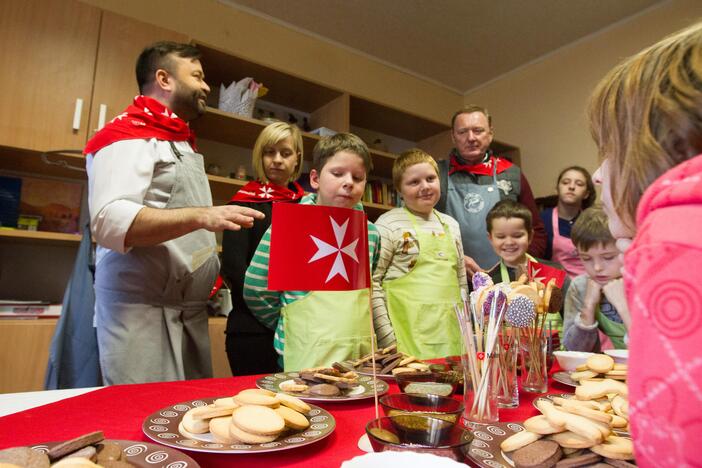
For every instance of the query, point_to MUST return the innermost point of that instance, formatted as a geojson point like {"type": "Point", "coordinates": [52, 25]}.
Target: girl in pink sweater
{"type": "Point", "coordinates": [646, 119]}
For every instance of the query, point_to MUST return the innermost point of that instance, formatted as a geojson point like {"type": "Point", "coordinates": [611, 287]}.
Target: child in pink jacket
{"type": "Point", "coordinates": [646, 118]}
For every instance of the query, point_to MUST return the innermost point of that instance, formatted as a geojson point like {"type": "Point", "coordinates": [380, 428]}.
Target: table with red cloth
{"type": "Point", "coordinates": [120, 410]}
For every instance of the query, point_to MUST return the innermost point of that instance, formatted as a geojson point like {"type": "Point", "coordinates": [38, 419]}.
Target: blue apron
{"type": "Point", "coordinates": [469, 203]}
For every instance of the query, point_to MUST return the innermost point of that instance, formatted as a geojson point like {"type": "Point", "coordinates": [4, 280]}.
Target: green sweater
{"type": "Point", "coordinates": [266, 305]}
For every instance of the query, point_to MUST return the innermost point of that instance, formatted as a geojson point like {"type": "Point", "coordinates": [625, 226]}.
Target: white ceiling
{"type": "Point", "coordinates": [459, 44]}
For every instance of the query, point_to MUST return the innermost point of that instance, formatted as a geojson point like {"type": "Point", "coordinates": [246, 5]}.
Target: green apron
{"type": "Point", "coordinates": [420, 303]}
{"type": "Point", "coordinates": [614, 330]}
{"type": "Point", "coordinates": [553, 317]}
{"type": "Point", "coordinates": [324, 327]}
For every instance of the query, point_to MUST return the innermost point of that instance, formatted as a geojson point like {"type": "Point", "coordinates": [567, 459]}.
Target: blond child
{"type": "Point", "coordinates": [315, 328]}
{"type": "Point", "coordinates": [420, 271]}
{"type": "Point", "coordinates": [588, 306]}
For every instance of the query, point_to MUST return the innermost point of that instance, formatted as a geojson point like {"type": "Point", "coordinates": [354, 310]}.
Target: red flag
{"type": "Point", "coordinates": [318, 248]}
{"type": "Point", "coordinates": [543, 273]}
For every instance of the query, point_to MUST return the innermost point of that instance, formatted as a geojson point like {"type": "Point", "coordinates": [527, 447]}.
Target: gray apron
{"type": "Point", "coordinates": [469, 204]}
{"type": "Point", "coordinates": [151, 311]}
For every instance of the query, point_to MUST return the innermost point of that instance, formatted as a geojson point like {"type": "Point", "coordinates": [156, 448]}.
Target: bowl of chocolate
{"type": "Point", "coordinates": [435, 406]}
{"type": "Point", "coordinates": [419, 433]}
{"type": "Point", "coordinates": [440, 380]}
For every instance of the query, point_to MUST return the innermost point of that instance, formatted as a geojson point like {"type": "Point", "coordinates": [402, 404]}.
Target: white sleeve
{"type": "Point", "coordinates": [118, 177]}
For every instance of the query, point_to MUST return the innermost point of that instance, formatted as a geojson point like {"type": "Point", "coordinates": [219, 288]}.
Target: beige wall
{"type": "Point", "coordinates": [541, 107]}
{"type": "Point", "coordinates": [264, 42]}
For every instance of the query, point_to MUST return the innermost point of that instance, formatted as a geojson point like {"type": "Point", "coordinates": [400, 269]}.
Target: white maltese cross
{"type": "Point", "coordinates": [325, 249]}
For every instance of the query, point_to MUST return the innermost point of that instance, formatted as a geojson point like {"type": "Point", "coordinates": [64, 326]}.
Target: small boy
{"type": "Point", "coordinates": [510, 231]}
{"type": "Point", "coordinates": [420, 273]}
{"type": "Point", "coordinates": [587, 310]}
{"type": "Point", "coordinates": [317, 328]}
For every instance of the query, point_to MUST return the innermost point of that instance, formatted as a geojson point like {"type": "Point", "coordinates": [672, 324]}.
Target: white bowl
{"type": "Point", "coordinates": [569, 360]}
{"type": "Point", "coordinates": [620, 356]}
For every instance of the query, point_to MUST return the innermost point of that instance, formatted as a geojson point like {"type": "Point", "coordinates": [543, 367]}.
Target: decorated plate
{"type": "Point", "coordinates": [162, 427]}
{"type": "Point", "coordinates": [564, 378]}
{"type": "Point", "coordinates": [485, 450]}
{"type": "Point", "coordinates": [568, 396]}
{"type": "Point", "coordinates": [141, 454]}
{"type": "Point", "coordinates": [363, 390]}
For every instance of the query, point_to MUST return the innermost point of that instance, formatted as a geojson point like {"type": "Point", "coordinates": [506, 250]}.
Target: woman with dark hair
{"type": "Point", "coordinates": [646, 119]}
{"type": "Point", "coordinates": [277, 163]}
{"type": "Point", "coordinates": [576, 192]}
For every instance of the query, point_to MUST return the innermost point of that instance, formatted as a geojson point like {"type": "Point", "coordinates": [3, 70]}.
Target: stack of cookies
{"type": "Point", "coordinates": [576, 432]}
{"type": "Point", "coordinates": [253, 416]}
{"type": "Point", "coordinates": [85, 451]}
{"type": "Point", "coordinates": [599, 366]}
{"type": "Point", "coordinates": [389, 360]}
{"type": "Point", "coordinates": [322, 381]}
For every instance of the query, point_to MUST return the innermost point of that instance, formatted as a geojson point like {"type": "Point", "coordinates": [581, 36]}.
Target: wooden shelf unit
{"type": "Point", "coordinates": [45, 237]}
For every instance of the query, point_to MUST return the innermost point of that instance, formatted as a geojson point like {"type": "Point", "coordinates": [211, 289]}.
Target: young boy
{"type": "Point", "coordinates": [510, 231]}
{"type": "Point", "coordinates": [420, 272]}
{"type": "Point", "coordinates": [587, 310]}
{"type": "Point", "coordinates": [317, 328]}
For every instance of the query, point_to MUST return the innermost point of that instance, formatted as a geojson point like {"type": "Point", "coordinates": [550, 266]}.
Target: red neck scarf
{"type": "Point", "coordinates": [145, 118]}
{"type": "Point", "coordinates": [256, 192]}
{"type": "Point", "coordinates": [482, 168]}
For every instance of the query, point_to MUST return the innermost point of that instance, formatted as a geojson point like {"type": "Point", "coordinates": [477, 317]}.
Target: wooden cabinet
{"type": "Point", "coordinates": [24, 352]}
{"type": "Point", "coordinates": [57, 52]}
{"type": "Point", "coordinates": [48, 53]}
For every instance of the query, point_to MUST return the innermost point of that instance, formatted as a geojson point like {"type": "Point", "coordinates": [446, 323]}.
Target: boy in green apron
{"type": "Point", "coordinates": [593, 316]}
{"type": "Point", "coordinates": [510, 232]}
{"type": "Point", "coordinates": [317, 328]}
{"type": "Point", "coordinates": [420, 272]}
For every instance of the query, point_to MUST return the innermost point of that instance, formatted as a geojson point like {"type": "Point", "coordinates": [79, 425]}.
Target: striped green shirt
{"type": "Point", "coordinates": [266, 305]}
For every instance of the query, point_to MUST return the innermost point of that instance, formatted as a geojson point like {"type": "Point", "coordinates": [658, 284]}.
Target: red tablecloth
{"type": "Point", "coordinates": [120, 410]}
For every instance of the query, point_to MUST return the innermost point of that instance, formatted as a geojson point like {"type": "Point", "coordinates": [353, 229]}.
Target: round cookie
{"type": "Point", "coordinates": [537, 454]}
{"type": "Point", "coordinates": [219, 428]}
{"type": "Point", "coordinates": [194, 426]}
{"type": "Point", "coordinates": [258, 420]}
{"type": "Point", "coordinates": [293, 403]}
{"type": "Point", "coordinates": [293, 419]}
{"type": "Point", "coordinates": [211, 411]}
{"type": "Point", "coordinates": [326, 389]}
{"type": "Point", "coordinates": [251, 398]}
{"type": "Point", "coordinates": [226, 402]}
{"type": "Point", "coordinates": [260, 391]}
{"type": "Point", "coordinates": [601, 363]}
{"type": "Point", "coordinates": [75, 462]}
{"type": "Point", "coordinates": [248, 438]}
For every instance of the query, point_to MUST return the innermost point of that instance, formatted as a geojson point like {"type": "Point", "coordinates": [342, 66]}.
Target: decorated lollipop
{"type": "Point", "coordinates": [481, 280]}
{"type": "Point", "coordinates": [495, 298]}
{"type": "Point", "coordinates": [520, 311]}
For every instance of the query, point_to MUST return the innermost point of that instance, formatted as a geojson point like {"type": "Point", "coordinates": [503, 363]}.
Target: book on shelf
{"type": "Point", "coordinates": [28, 309]}
{"type": "Point", "coordinates": [382, 193]}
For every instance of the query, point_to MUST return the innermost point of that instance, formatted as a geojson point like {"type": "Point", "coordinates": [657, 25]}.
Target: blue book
{"type": "Point", "coordinates": [10, 189]}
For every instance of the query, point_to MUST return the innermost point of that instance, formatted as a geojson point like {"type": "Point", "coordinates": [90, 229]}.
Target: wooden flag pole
{"type": "Point", "coordinates": [372, 326]}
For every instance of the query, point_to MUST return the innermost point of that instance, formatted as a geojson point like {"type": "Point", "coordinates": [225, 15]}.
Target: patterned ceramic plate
{"type": "Point", "coordinates": [568, 396]}
{"type": "Point", "coordinates": [142, 454]}
{"type": "Point", "coordinates": [564, 378]}
{"type": "Point", "coordinates": [162, 427]}
{"type": "Point", "coordinates": [485, 450]}
{"type": "Point", "coordinates": [363, 390]}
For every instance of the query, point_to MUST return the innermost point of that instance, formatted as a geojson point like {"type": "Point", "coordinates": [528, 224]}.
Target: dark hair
{"type": "Point", "coordinates": [509, 209]}
{"type": "Point", "coordinates": [591, 228]}
{"type": "Point", "coordinates": [156, 56]}
{"type": "Point", "coordinates": [592, 195]}
{"type": "Point", "coordinates": [329, 146]}
{"type": "Point", "coordinates": [469, 109]}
